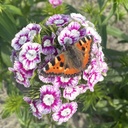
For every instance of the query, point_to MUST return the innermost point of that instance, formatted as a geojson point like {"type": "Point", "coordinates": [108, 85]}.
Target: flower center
{"type": "Point", "coordinates": [48, 99]}
{"type": "Point", "coordinates": [19, 76]}
{"type": "Point", "coordinates": [75, 33]}
{"type": "Point", "coordinates": [64, 79]}
{"type": "Point", "coordinates": [22, 40]}
{"type": "Point", "coordinates": [31, 55]}
{"type": "Point", "coordinates": [69, 90]}
{"type": "Point", "coordinates": [67, 40]}
{"type": "Point", "coordinates": [66, 112]}
{"type": "Point", "coordinates": [47, 43]}
{"type": "Point", "coordinates": [60, 21]}
{"type": "Point", "coordinates": [32, 33]}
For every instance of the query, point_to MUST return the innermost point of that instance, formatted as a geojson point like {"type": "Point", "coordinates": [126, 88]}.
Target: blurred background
{"type": "Point", "coordinates": [107, 106]}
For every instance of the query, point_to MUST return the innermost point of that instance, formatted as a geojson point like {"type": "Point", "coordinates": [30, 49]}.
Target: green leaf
{"type": "Point", "coordinates": [101, 3]}
{"type": "Point", "coordinates": [7, 26]}
{"type": "Point", "coordinates": [90, 98]}
{"type": "Point", "coordinates": [5, 52]}
{"type": "Point", "coordinates": [126, 7]}
{"type": "Point", "coordinates": [12, 104]}
{"type": "Point", "coordinates": [13, 9]}
{"type": "Point", "coordinates": [103, 33]}
{"type": "Point", "coordinates": [112, 11]}
{"type": "Point", "coordinates": [104, 125]}
{"type": "Point", "coordinates": [117, 33]}
{"type": "Point", "coordinates": [70, 9]}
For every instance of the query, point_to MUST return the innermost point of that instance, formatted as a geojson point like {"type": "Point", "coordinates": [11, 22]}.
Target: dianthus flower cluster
{"type": "Point", "coordinates": [32, 51]}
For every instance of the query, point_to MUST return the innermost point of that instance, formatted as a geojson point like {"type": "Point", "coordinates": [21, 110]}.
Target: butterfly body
{"type": "Point", "coordinates": [72, 61]}
{"type": "Point", "coordinates": [73, 57]}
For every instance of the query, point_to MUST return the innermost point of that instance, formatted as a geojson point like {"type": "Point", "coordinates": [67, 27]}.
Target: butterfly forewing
{"type": "Point", "coordinates": [84, 45]}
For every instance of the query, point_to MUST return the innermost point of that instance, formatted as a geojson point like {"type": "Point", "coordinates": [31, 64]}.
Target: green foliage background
{"type": "Point", "coordinates": [109, 102]}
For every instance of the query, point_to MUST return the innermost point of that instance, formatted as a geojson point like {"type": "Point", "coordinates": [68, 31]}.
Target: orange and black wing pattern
{"type": "Point", "coordinates": [85, 45]}
{"type": "Point", "coordinates": [59, 65]}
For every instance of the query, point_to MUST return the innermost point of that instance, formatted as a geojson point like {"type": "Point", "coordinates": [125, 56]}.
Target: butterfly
{"type": "Point", "coordinates": [72, 61]}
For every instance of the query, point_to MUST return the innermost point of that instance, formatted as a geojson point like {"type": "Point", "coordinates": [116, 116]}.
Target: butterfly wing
{"type": "Point", "coordinates": [58, 67]}
{"type": "Point", "coordinates": [84, 45]}
{"type": "Point", "coordinates": [61, 64]}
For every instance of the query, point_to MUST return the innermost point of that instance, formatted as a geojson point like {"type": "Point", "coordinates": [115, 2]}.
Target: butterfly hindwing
{"type": "Point", "coordinates": [65, 64]}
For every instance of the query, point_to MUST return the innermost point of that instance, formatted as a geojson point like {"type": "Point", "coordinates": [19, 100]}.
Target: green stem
{"type": "Point", "coordinates": [103, 8]}
{"type": "Point", "coordinates": [112, 11]}
{"type": "Point", "coordinates": [49, 117]}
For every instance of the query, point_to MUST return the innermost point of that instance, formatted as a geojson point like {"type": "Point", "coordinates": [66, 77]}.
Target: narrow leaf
{"type": "Point", "coordinates": [117, 33]}
{"type": "Point", "coordinates": [13, 9]}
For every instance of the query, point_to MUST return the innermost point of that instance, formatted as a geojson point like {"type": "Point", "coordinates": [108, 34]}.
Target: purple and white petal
{"type": "Point", "coordinates": [87, 24]}
{"type": "Point", "coordinates": [20, 38]}
{"type": "Point", "coordinates": [29, 56]}
{"type": "Point", "coordinates": [34, 107]}
{"type": "Point", "coordinates": [71, 33]}
{"type": "Point", "coordinates": [71, 92]}
{"type": "Point", "coordinates": [18, 66]}
{"type": "Point", "coordinates": [66, 82]}
{"type": "Point", "coordinates": [55, 3]}
{"type": "Point", "coordinates": [83, 88]}
{"type": "Point", "coordinates": [22, 79]}
{"type": "Point", "coordinates": [48, 40]}
{"type": "Point", "coordinates": [78, 17]}
{"type": "Point", "coordinates": [50, 98]}
{"type": "Point", "coordinates": [74, 26]}
{"type": "Point", "coordinates": [66, 36]}
{"type": "Point", "coordinates": [34, 29]}
{"type": "Point", "coordinates": [58, 20]}
{"type": "Point", "coordinates": [76, 30]}
{"type": "Point", "coordinates": [94, 33]}
{"type": "Point", "coordinates": [47, 44]}
{"type": "Point", "coordinates": [65, 112]}
{"type": "Point", "coordinates": [48, 50]}
{"type": "Point", "coordinates": [46, 79]}
{"type": "Point", "coordinates": [92, 78]}
{"type": "Point", "coordinates": [14, 56]}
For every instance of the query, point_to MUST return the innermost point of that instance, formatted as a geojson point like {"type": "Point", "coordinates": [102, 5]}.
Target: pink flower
{"type": "Point", "coordinates": [71, 92]}
{"type": "Point", "coordinates": [34, 107]}
{"type": "Point", "coordinates": [55, 3]}
{"type": "Point", "coordinates": [21, 75]}
{"type": "Point", "coordinates": [83, 88]}
{"type": "Point", "coordinates": [65, 112]}
{"type": "Point", "coordinates": [77, 17]}
{"type": "Point", "coordinates": [50, 99]}
{"type": "Point", "coordinates": [29, 56]}
{"type": "Point", "coordinates": [66, 82]}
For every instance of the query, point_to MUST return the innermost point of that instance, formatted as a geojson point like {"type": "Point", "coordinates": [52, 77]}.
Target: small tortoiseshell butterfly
{"type": "Point", "coordinates": [72, 61]}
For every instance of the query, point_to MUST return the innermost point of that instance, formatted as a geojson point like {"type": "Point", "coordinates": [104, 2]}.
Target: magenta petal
{"type": "Point", "coordinates": [65, 112]}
